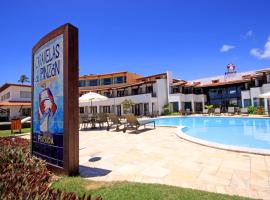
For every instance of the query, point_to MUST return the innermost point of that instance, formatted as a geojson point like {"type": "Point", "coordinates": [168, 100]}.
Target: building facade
{"type": "Point", "coordinates": [15, 101]}
{"type": "Point", "coordinates": [231, 89]}
{"type": "Point", "coordinates": [150, 94]}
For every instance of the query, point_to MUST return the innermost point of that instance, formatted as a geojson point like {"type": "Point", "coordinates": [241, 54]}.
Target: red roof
{"type": "Point", "coordinates": [15, 103]}
{"type": "Point", "coordinates": [223, 83]}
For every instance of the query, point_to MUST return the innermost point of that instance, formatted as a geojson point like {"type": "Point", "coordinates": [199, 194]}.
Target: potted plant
{"type": "Point", "coordinates": [127, 105]}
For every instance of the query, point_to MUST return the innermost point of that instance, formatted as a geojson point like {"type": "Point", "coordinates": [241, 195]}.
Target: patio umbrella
{"type": "Point", "coordinates": [90, 97]}
{"type": "Point", "coordinates": [264, 95]}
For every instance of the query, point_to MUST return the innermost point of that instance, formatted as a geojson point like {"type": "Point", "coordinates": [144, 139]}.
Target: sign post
{"type": "Point", "coordinates": [55, 108]}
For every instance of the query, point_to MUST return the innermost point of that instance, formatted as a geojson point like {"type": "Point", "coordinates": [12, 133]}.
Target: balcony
{"type": "Point", "coordinates": [153, 94]}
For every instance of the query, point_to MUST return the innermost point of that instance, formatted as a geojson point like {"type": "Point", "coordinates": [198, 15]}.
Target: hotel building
{"type": "Point", "coordinates": [149, 94]}
{"type": "Point", "coordinates": [15, 101]}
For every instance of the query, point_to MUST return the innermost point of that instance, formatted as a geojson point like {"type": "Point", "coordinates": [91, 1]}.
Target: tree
{"type": "Point", "coordinates": [127, 104]}
{"type": "Point", "coordinates": [23, 79]}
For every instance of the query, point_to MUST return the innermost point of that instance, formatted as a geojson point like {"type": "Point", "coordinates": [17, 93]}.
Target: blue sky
{"type": "Point", "coordinates": [192, 38]}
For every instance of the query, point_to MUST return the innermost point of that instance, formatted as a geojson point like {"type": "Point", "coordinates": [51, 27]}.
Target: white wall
{"type": "Point", "coordinates": [140, 98]}
{"type": "Point", "coordinates": [254, 93]}
{"type": "Point", "coordinates": [162, 94]}
{"type": "Point", "coordinates": [266, 88]}
{"type": "Point", "coordinates": [15, 93]}
{"type": "Point", "coordinates": [15, 96]}
{"type": "Point", "coordinates": [180, 98]}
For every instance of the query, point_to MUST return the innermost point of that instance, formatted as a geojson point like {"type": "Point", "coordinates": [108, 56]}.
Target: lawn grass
{"type": "Point", "coordinates": [5, 133]}
{"type": "Point", "coordinates": [135, 191]}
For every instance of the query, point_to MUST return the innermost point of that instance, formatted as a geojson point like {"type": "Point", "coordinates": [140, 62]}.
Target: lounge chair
{"type": "Point", "coordinates": [217, 111]}
{"type": "Point", "coordinates": [133, 122]}
{"type": "Point", "coordinates": [182, 112]}
{"type": "Point", "coordinates": [101, 119]}
{"type": "Point", "coordinates": [244, 111]}
{"type": "Point", "coordinates": [114, 120]}
{"type": "Point", "coordinates": [231, 110]}
{"type": "Point", "coordinates": [205, 111]}
{"type": "Point", "coordinates": [188, 111]}
{"type": "Point", "coordinates": [185, 112]}
{"type": "Point", "coordinates": [84, 121]}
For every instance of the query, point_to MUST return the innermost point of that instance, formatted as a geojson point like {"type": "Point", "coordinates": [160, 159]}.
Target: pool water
{"type": "Point", "coordinates": [241, 132]}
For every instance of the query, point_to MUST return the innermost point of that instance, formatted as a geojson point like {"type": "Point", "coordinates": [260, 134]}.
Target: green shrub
{"type": "Point", "coordinates": [23, 176]}
{"type": "Point", "coordinates": [210, 108]}
{"type": "Point", "coordinates": [252, 110]}
{"type": "Point", "coordinates": [166, 109]}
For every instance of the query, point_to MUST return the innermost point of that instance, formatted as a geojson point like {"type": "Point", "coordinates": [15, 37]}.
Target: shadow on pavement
{"type": "Point", "coordinates": [89, 172]}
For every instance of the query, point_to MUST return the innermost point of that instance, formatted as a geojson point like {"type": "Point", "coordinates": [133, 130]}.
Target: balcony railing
{"type": "Point", "coordinates": [153, 94]}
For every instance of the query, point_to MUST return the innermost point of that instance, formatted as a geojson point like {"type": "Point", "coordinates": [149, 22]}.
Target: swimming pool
{"type": "Point", "coordinates": [240, 132]}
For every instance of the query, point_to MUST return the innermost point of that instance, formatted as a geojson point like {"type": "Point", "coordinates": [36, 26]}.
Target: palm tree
{"type": "Point", "coordinates": [23, 79]}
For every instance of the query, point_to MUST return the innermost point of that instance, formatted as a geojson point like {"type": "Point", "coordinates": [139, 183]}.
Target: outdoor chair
{"type": "Point", "coordinates": [231, 110]}
{"type": "Point", "coordinates": [133, 122]}
{"type": "Point", "coordinates": [188, 111]}
{"type": "Point", "coordinates": [244, 111]}
{"type": "Point", "coordinates": [205, 112]}
{"type": "Point", "coordinates": [84, 121]}
{"type": "Point", "coordinates": [182, 112]}
{"type": "Point", "coordinates": [217, 111]}
{"type": "Point", "coordinates": [101, 119]}
{"type": "Point", "coordinates": [114, 120]}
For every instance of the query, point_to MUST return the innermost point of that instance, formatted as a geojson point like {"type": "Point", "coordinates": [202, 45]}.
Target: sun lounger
{"type": "Point", "coordinates": [101, 119]}
{"type": "Point", "coordinates": [188, 111]}
{"type": "Point", "coordinates": [185, 112]}
{"type": "Point", "coordinates": [205, 112]}
{"type": "Point", "coordinates": [133, 122]}
{"type": "Point", "coordinates": [217, 111]}
{"type": "Point", "coordinates": [114, 120]}
{"type": "Point", "coordinates": [84, 121]}
{"type": "Point", "coordinates": [231, 110]}
{"type": "Point", "coordinates": [244, 111]}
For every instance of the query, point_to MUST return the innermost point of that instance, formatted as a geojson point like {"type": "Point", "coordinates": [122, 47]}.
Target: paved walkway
{"type": "Point", "coordinates": [159, 156]}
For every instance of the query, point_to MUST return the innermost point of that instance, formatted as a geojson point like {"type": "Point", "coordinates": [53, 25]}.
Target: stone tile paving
{"type": "Point", "coordinates": [159, 156]}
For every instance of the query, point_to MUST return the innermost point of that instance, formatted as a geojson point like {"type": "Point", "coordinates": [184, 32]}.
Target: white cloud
{"type": "Point", "coordinates": [226, 48]}
{"type": "Point", "coordinates": [265, 54]}
{"type": "Point", "coordinates": [248, 34]}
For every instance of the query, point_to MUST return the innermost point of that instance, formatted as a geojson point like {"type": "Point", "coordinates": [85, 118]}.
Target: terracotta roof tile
{"type": "Point", "coordinates": [15, 103]}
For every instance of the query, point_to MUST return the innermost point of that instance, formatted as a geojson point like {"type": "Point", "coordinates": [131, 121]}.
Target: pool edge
{"type": "Point", "coordinates": [232, 148]}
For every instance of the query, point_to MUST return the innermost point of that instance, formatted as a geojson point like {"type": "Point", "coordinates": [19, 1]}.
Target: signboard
{"type": "Point", "coordinates": [55, 99]}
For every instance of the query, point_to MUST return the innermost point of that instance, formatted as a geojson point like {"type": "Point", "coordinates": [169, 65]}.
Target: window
{"type": "Point", "coordinates": [149, 89]}
{"type": "Point", "coordinates": [26, 112]}
{"type": "Point", "coordinates": [106, 81]}
{"type": "Point", "coordinates": [5, 96]}
{"type": "Point", "coordinates": [94, 82]}
{"type": "Point", "coordinates": [81, 109]}
{"type": "Point", "coordinates": [187, 105]}
{"type": "Point", "coordinates": [120, 79]}
{"type": "Point", "coordinates": [107, 94]}
{"type": "Point", "coordinates": [25, 94]}
{"type": "Point", "coordinates": [175, 106]}
{"type": "Point", "coordinates": [106, 109]}
{"type": "Point", "coordinates": [121, 93]}
{"type": "Point", "coordinates": [247, 102]}
{"type": "Point", "coordinates": [82, 83]}
{"type": "Point", "coordinates": [135, 91]}
{"type": "Point", "coordinates": [258, 102]}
